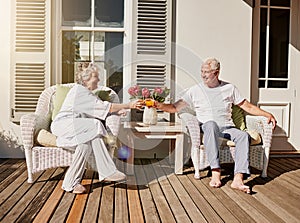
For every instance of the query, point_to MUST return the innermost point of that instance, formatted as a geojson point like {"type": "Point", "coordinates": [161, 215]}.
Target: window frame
{"type": "Point", "coordinates": [58, 30]}
{"type": "Point", "coordinates": [267, 79]}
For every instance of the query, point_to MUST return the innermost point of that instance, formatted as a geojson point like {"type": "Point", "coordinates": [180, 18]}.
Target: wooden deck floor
{"type": "Point", "coordinates": [153, 195]}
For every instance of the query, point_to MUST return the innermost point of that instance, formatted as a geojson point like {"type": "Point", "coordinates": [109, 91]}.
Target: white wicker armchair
{"type": "Point", "coordinates": [259, 154]}
{"type": "Point", "coordinates": [40, 158]}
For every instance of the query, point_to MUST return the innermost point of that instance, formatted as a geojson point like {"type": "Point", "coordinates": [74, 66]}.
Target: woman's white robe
{"type": "Point", "coordinates": [79, 119]}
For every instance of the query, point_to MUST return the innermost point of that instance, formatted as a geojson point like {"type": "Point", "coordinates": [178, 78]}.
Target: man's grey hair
{"type": "Point", "coordinates": [213, 63]}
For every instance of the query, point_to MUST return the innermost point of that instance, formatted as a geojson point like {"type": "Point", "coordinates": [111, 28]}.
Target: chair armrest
{"type": "Point", "coordinates": [30, 125]}
{"type": "Point", "coordinates": [191, 123]}
{"type": "Point", "coordinates": [113, 123]}
{"type": "Point", "coordinates": [261, 125]}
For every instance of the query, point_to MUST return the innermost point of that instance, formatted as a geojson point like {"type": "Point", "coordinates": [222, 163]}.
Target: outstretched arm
{"type": "Point", "coordinates": [171, 108]}
{"type": "Point", "coordinates": [254, 110]}
{"type": "Point", "coordinates": [133, 104]}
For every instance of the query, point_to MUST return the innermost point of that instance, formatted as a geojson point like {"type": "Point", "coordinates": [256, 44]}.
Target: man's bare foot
{"type": "Point", "coordinates": [215, 178]}
{"type": "Point", "coordinates": [241, 187]}
{"type": "Point", "coordinates": [238, 184]}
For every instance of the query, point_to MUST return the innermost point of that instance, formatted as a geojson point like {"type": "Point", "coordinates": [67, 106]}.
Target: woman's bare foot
{"type": "Point", "coordinates": [238, 184]}
{"type": "Point", "coordinates": [215, 178]}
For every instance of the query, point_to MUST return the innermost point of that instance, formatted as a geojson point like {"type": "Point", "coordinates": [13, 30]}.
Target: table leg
{"type": "Point", "coordinates": [179, 154]}
{"type": "Point", "coordinates": [130, 159]}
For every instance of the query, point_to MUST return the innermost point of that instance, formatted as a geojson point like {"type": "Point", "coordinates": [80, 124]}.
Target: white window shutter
{"type": "Point", "coordinates": [30, 61]}
{"type": "Point", "coordinates": [152, 38]}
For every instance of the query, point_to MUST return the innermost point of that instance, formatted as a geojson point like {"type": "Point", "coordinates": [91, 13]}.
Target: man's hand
{"type": "Point", "coordinates": [272, 119]}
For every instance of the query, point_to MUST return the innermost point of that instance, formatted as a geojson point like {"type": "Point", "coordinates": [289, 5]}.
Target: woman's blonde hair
{"type": "Point", "coordinates": [85, 71]}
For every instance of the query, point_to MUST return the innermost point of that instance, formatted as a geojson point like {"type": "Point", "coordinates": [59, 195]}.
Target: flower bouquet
{"type": "Point", "coordinates": [149, 96]}
{"type": "Point", "coordinates": [157, 94]}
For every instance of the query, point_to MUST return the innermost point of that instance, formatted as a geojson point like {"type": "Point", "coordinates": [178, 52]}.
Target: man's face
{"type": "Point", "coordinates": [209, 76]}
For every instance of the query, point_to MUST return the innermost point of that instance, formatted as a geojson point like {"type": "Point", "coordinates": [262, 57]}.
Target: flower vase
{"type": "Point", "coordinates": [150, 116]}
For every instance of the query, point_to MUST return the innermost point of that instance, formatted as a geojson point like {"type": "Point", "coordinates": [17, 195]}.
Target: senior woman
{"type": "Point", "coordinates": [78, 126]}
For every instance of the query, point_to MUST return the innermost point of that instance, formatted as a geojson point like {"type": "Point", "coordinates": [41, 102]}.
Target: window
{"type": "Point", "coordinates": [93, 31]}
{"type": "Point", "coordinates": [274, 43]}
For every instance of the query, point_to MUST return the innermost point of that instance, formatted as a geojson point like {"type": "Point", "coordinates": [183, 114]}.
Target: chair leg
{"type": "Point", "coordinates": [28, 155]}
{"type": "Point", "coordinates": [266, 162]}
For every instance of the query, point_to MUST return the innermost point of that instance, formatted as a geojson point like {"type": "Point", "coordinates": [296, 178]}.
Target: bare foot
{"type": "Point", "coordinates": [215, 178]}
{"type": "Point", "coordinates": [238, 184]}
{"type": "Point", "coordinates": [241, 187]}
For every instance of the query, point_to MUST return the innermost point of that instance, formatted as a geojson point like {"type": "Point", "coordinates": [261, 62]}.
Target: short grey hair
{"type": "Point", "coordinates": [213, 63]}
{"type": "Point", "coordinates": [85, 71]}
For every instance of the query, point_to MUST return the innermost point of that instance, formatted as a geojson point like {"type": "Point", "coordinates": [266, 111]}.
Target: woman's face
{"type": "Point", "coordinates": [92, 83]}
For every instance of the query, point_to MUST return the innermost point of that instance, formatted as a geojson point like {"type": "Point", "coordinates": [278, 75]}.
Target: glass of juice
{"type": "Point", "coordinates": [149, 102]}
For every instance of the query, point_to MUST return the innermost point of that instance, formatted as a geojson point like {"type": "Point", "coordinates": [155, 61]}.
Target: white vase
{"type": "Point", "coordinates": [150, 116]}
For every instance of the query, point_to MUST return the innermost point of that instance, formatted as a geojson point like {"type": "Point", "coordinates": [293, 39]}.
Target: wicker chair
{"type": "Point", "coordinates": [39, 158]}
{"type": "Point", "coordinates": [259, 154]}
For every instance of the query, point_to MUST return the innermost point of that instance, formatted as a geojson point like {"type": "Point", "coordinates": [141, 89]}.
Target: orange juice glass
{"type": "Point", "coordinates": [149, 102]}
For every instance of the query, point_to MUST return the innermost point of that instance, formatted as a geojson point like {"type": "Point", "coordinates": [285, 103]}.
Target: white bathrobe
{"type": "Point", "coordinates": [79, 118]}
{"type": "Point", "coordinates": [78, 126]}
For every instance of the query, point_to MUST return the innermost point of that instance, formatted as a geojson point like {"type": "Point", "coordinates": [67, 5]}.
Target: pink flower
{"type": "Point", "coordinates": [145, 93]}
{"type": "Point", "coordinates": [158, 90]}
{"type": "Point", "coordinates": [158, 93]}
{"type": "Point", "coordinates": [134, 91]}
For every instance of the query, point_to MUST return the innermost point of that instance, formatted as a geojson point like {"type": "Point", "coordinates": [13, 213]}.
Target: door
{"type": "Point", "coordinates": [275, 67]}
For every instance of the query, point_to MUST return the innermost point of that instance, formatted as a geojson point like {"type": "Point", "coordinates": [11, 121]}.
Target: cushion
{"type": "Point", "coordinates": [255, 139]}
{"type": "Point", "coordinates": [104, 95]}
{"type": "Point", "coordinates": [238, 117]}
{"type": "Point", "coordinates": [62, 91]}
{"type": "Point", "coordinates": [58, 100]}
{"type": "Point", "coordinates": [46, 138]}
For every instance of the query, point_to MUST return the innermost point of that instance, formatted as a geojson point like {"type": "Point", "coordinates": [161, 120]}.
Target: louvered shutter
{"type": "Point", "coordinates": [152, 37]}
{"type": "Point", "coordinates": [30, 61]}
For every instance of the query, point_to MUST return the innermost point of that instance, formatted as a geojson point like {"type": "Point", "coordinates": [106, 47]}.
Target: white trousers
{"type": "Point", "coordinates": [105, 165]}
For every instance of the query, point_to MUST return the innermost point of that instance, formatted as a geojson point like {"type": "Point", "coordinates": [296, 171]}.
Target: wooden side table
{"type": "Point", "coordinates": [162, 130]}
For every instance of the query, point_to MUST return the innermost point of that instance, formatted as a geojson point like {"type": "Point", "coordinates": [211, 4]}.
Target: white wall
{"type": "Point", "coordinates": [214, 28]}
{"type": "Point", "coordinates": [5, 124]}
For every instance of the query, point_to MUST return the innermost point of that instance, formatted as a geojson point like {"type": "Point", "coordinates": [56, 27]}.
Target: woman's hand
{"type": "Point", "coordinates": [138, 104]}
{"type": "Point", "coordinates": [123, 112]}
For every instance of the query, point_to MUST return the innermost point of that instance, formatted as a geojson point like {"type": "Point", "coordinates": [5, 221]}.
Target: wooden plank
{"type": "Point", "coordinates": [121, 212]}
{"type": "Point", "coordinates": [78, 206]}
{"type": "Point", "coordinates": [93, 202]}
{"type": "Point", "coordinates": [49, 207]}
{"type": "Point", "coordinates": [9, 167]}
{"type": "Point", "coordinates": [12, 194]}
{"type": "Point", "coordinates": [6, 164]}
{"type": "Point", "coordinates": [147, 203]}
{"type": "Point", "coordinates": [180, 213]}
{"type": "Point", "coordinates": [278, 194]}
{"type": "Point", "coordinates": [261, 196]}
{"type": "Point", "coordinates": [275, 199]}
{"type": "Point", "coordinates": [161, 204]}
{"type": "Point", "coordinates": [134, 204]}
{"type": "Point", "coordinates": [245, 205]}
{"type": "Point", "coordinates": [236, 211]}
{"type": "Point", "coordinates": [41, 198]}
{"type": "Point", "coordinates": [207, 200]}
{"type": "Point", "coordinates": [3, 160]}
{"type": "Point", "coordinates": [26, 196]}
{"type": "Point", "coordinates": [12, 187]}
{"type": "Point", "coordinates": [62, 210]}
{"type": "Point", "coordinates": [4, 183]}
{"type": "Point", "coordinates": [107, 203]}
{"type": "Point", "coordinates": [288, 181]}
